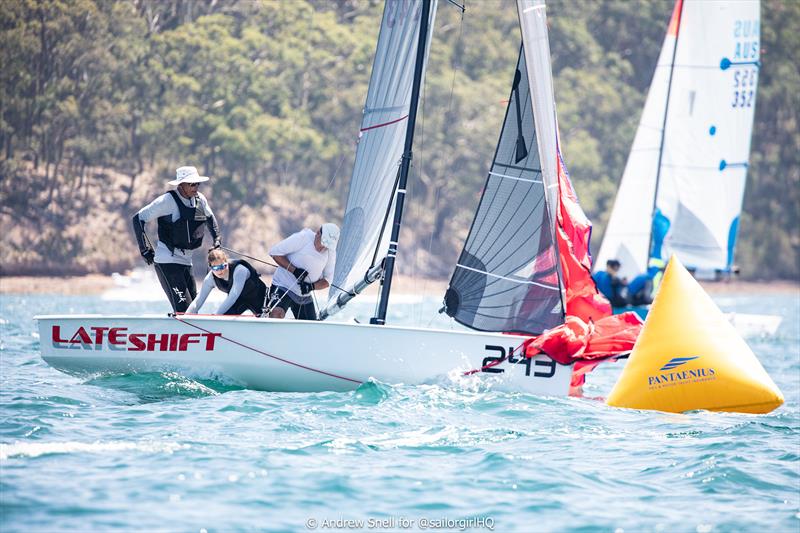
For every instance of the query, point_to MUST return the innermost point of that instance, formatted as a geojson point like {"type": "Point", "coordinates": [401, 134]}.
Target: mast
{"type": "Point", "coordinates": [664, 132]}
{"type": "Point", "coordinates": [400, 193]}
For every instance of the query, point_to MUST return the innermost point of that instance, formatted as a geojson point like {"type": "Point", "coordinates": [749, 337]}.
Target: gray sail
{"type": "Point", "coordinates": [365, 230]}
{"type": "Point", "coordinates": [507, 277]}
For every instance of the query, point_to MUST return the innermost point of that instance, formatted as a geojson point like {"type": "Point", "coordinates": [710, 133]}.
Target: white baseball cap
{"type": "Point", "coordinates": [330, 236]}
{"type": "Point", "coordinates": [187, 175]}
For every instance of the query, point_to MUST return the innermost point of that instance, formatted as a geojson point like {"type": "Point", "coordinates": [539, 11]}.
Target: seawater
{"type": "Point", "coordinates": [172, 452]}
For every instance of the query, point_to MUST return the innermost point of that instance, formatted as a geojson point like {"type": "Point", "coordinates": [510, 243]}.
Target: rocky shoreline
{"type": "Point", "coordinates": [95, 284]}
{"type": "Point", "coordinates": [91, 284]}
{"type": "Point", "coordinates": [65, 285]}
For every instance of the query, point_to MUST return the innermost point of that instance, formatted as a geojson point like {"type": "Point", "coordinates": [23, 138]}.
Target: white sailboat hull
{"type": "Point", "coordinates": [289, 355]}
{"type": "Point", "coordinates": [749, 325]}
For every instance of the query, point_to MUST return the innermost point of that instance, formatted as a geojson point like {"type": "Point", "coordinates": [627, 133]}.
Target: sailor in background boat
{"type": "Point", "coordinates": [238, 279]}
{"type": "Point", "coordinates": [306, 261]}
{"type": "Point", "coordinates": [182, 214]}
{"type": "Point", "coordinates": [611, 285]}
{"type": "Point", "coordinates": [642, 288]}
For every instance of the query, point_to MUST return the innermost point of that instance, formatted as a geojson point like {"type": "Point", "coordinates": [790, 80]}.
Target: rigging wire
{"type": "Point", "coordinates": [336, 172]}
{"type": "Point", "coordinates": [419, 169]}
{"type": "Point", "coordinates": [437, 196]}
{"type": "Point", "coordinates": [459, 6]}
{"type": "Point", "coordinates": [249, 256]}
{"type": "Point", "coordinates": [270, 264]}
{"type": "Point", "coordinates": [266, 354]}
{"type": "Point", "coordinates": [306, 55]}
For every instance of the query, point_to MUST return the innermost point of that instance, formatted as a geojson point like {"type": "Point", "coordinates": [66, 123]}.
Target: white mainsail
{"type": "Point", "coordinates": [368, 214]}
{"type": "Point", "coordinates": [684, 181]}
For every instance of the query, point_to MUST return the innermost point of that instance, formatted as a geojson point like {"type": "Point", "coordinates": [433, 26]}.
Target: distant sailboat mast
{"type": "Point", "coordinates": [674, 29]}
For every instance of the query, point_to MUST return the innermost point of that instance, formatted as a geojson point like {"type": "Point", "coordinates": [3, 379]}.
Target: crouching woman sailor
{"type": "Point", "coordinates": [306, 261]}
{"type": "Point", "coordinates": [241, 282]}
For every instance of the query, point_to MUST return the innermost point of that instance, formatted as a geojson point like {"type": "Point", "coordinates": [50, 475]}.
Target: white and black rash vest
{"type": "Point", "coordinates": [252, 287]}
{"type": "Point", "coordinates": [186, 232]}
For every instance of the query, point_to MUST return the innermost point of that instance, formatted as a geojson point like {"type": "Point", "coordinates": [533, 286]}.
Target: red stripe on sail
{"type": "Point", "coordinates": [362, 130]}
{"type": "Point", "coordinates": [675, 21]}
{"type": "Point", "coordinates": [573, 232]}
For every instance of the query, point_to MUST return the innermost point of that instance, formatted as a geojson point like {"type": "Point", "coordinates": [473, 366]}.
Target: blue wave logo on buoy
{"type": "Point", "coordinates": [680, 377]}
{"type": "Point", "coordinates": [677, 361]}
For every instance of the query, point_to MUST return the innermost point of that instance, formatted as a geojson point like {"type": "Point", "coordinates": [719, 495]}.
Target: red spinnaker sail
{"type": "Point", "coordinates": [587, 344]}
{"type": "Point", "coordinates": [573, 232]}
{"type": "Point", "coordinates": [576, 340]}
{"type": "Point", "coordinates": [590, 333]}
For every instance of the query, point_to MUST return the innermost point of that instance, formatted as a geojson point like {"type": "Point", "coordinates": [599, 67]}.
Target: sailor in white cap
{"type": "Point", "coordinates": [182, 215]}
{"type": "Point", "coordinates": [306, 261]}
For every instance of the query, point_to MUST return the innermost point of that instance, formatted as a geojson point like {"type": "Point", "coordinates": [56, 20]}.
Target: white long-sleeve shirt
{"type": "Point", "coordinates": [299, 249]}
{"type": "Point", "coordinates": [165, 205]}
{"type": "Point", "coordinates": [240, 276]}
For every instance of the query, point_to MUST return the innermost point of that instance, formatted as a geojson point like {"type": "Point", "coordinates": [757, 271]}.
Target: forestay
{"type": "Point", "coordinates": [508, 275]}
{"type": "Point", "coordinates": [690, 153]}
{"type": "Point", "coordinates": [365, 230]}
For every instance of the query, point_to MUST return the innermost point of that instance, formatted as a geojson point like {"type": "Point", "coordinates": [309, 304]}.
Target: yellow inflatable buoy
{"type": "Point", "coordinates": [688, 356]}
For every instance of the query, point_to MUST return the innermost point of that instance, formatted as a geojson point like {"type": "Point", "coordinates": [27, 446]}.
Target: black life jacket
{"type": "Point", "coordinates": [252, 287]}
{"type": "Point", "coordinates": [186, 233]}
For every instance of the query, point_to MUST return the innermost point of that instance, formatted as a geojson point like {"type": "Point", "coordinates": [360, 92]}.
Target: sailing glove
{"type": "Point", "coordinates": [149, 255]}
{"type": "Point", "coordinates": [217, 244]}
{"type": "Point", "coordinates": [306, 287]}
{"type": "Point", "coordinates": [300, 273]}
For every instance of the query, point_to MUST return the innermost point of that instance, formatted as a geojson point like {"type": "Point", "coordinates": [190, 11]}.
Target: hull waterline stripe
{"type": "Point", "coordinates": [274, 356]}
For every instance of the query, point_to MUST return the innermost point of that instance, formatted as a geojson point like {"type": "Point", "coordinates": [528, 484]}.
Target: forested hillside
{"type": "Point", "coordinates": [100, 100]}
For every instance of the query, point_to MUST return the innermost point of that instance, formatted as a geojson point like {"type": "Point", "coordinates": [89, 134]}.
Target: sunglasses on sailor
{"type": "Point", "coordinates": [217, 268]}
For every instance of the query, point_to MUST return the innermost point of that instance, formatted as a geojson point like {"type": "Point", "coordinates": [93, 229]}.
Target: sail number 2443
{"type": "Point", "coordinates": [542, 369]}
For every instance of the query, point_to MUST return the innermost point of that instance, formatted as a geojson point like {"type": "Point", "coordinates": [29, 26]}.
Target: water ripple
{"type": "Point", "coordinates": [198, 452]}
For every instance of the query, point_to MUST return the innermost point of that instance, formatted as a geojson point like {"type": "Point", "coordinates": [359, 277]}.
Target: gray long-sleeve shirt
{"type": "Point", "coordinates": [240, 276]}
{"type": "Point", "coordinates": [165, 205]}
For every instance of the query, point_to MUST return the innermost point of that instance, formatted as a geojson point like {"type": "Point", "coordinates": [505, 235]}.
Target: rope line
{"type": "Point", "coordinates": [311, 369]}
{"type": "Point", "coordinates": [523, 346]}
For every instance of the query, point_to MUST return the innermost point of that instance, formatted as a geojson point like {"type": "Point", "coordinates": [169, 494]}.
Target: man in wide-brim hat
{"type": "Point", "coordinates": [182, 215]}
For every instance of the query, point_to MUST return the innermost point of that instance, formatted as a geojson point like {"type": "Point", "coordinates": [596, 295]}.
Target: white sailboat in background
{"type": "Point", "coordinates": [684, 181]}
{"type": "Point", "coordinates": [683, 185]}
{"type": "Point", "coordinates": [290, 355]}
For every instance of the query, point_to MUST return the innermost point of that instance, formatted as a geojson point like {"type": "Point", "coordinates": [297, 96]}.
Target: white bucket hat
{"type": "Point", "coordinates": [330, 236]}
{"type": "Point", "coordinates": [187, 175]}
